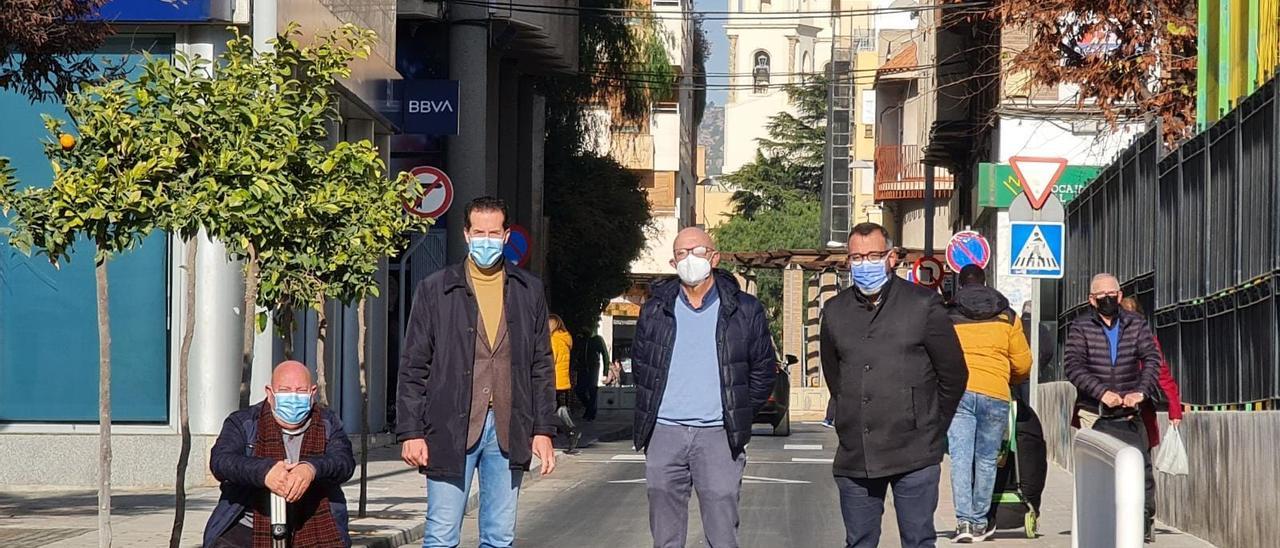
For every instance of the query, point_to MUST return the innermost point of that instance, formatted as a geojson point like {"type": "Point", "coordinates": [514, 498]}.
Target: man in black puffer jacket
{"type": "Point", "coordinates": [704, 364]}
{"type": "Point", "coordinates": [1112, 360]}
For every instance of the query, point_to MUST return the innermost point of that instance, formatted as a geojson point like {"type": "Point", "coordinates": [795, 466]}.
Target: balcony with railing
{"type": "Point", "coordinates": [900, 175]}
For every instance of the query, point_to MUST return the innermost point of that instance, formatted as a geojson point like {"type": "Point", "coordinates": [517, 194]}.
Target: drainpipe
{"type": "Point", "coordinates": [264, 26]}
{"type": "Point", "coordinates": [928, 209]}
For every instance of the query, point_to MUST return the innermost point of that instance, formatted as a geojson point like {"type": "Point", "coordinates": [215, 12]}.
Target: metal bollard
{"type": "Point", "coordinates": [1108, 502]}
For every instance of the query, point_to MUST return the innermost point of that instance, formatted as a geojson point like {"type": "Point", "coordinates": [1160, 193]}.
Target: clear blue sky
{"type": "Point", "coordinates": [719, 62]}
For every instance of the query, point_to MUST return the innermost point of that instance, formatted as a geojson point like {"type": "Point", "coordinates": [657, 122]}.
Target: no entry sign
{"type": "Point", "coordinates": [436, 194]}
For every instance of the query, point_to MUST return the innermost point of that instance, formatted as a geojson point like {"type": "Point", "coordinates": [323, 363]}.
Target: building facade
{"type": "Point", "coordinates": [662, 151]}
{"type": "Point", "coordinates": [771, 44]}
{"type": "Point", "coordinates": [47, 317]}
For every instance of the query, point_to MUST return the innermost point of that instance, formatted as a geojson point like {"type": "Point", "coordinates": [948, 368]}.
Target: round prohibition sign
{"type": "Point", "coordinates": [436, 195]}
{"type": "Point", "coordinates": [930, 266]}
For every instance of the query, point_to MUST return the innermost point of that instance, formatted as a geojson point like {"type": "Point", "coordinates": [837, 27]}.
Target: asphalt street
{"type": "Point", "coordinates": [596, 499]}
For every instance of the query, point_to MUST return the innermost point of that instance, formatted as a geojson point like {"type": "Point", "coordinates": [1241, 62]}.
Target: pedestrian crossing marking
{"type": "Point", "coordinates": [759, 479]}
{"type": "Point", "coordinates": [1035, 255]}
{"type": "Point", "coordinates": [808, 459]}
{"type": "Point", "coordinates": [802, 447]}
{"type": "Point", "coordinates": [745, 479]}
{"type": "Point", "coordinates": [636, 457]}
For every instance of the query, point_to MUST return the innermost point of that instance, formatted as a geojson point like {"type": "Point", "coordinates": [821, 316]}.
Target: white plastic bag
{"type": "Point", "coordinates": [1171, 454]}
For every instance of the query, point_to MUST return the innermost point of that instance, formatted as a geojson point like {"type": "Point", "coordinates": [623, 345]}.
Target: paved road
{"type": "Point", "coordinates": [597, 499]}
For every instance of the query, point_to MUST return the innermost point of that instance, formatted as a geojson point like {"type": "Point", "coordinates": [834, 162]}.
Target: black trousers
{"type": "Point", "coordinates": [1133, 433]}
{"type": "Point", "coordinates": [237, 536]}
{"type": "Point", "coordinates": [586, 389]}
{"type": "Point", "coordinates": [915, 497]}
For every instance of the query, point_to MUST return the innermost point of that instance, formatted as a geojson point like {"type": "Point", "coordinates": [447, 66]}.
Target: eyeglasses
{"type": "Point", "coordinates": [856, 259]}
{"type": "Point", "coordinates": [1102, 294]}
{"type": "Point", "coordinates": [700, 252]}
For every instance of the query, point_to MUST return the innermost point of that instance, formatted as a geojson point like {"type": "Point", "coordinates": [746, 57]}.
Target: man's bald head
{"type": "Point", "coordinates": [692, 237]}
{"type": "Point", "coordinates": [290, 375]}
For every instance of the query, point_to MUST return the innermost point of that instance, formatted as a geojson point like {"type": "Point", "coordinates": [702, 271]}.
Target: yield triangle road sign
{"type": "Point", "coordinates": [1037, 250]}
{"type": "Point", "coordinates": [1037, 175]}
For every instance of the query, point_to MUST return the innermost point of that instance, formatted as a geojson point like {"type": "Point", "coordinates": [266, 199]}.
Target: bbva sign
{"type": "Point", "coordinates": [431, 107]}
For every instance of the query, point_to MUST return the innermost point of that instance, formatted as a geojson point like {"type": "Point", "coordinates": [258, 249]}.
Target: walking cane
{"type": "Point", "coordinates": [279, 522]}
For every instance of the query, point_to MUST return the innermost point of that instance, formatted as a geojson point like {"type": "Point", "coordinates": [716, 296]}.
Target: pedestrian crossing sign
{"type": "Point", "coordinates": [1036, 249]}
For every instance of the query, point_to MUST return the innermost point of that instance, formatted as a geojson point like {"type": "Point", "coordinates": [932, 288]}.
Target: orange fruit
{"type": "Point", "coordinates": [67, 141]}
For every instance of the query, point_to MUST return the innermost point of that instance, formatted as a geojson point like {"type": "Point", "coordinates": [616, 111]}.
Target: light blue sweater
{"type": "Point", "coordinates": [692, 395]}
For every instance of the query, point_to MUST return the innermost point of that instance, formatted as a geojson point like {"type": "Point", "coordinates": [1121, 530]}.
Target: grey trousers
{"type": "Point", "coordinates": [680, 458]}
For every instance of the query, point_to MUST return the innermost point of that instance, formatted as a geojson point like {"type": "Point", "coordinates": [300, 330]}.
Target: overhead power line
{"type": "Point", "coordinates": [628, 13]}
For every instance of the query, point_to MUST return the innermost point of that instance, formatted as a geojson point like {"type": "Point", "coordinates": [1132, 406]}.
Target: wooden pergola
{"type": "Point", "coordinates": [816, 260]}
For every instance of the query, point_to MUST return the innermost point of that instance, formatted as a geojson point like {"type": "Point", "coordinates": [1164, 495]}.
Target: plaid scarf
{"type": "Point", "coordinates": [310, 523]}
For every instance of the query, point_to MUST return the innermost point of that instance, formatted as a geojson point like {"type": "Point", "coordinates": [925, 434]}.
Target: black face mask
{"type": "Point", "coordinates": [1109, 306]}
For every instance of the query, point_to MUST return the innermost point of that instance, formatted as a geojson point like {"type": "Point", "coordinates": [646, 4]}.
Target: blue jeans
{"type": "Point", "coordinates": [974, 443]}
{"type": "Point", "coordinates": [499, 490]}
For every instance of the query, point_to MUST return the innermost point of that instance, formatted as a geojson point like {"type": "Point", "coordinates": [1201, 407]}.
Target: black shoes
{"type": "Point", "coordinates": [574, 437]}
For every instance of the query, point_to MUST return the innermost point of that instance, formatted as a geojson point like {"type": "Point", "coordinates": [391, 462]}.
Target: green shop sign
{"type": "Point", "coordinates": [998, 185]}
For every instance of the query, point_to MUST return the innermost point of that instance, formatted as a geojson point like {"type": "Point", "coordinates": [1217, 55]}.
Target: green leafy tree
{"type": "Point", "coordinates": [339, 234]}
{"type": "Point", "coordinates": [778, 196]}
{"type": "Point", "coordinates": [264, 130]}
{"type": "Point", "coordinates": [312, 223]}
{"type": "Point", "coordinates": [795, 224]}
{"type": "Point", "coordinates": [597, 232]}
{"type": "Point", "coordinates": [107, 189]}
{"type": "Point", "coordinates": [789, 161]}
{"type": "Point", "coordinates": [624, 65]}
{"type": "Point", "coordinates": [234, 147]}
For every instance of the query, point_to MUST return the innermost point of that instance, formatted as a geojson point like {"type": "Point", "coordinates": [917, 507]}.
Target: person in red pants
{"type": "Point", "coordinates": [1168, 385]}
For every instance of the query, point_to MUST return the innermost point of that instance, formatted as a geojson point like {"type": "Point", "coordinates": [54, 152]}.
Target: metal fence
{"type": "Point", "coordinates": [1192, 233]}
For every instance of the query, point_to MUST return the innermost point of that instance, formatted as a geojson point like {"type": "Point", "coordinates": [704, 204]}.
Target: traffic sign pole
{"type": "Point", "coordinates": [1038, 177]}
{"type": "Point", "coordinates": [1034, 381]}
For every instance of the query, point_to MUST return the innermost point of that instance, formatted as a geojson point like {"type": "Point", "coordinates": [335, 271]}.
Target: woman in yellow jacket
{"type": "Point", "coordinates": [561, 346]}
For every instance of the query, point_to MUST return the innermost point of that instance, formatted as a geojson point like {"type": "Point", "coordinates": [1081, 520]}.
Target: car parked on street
{"type": "Point", "coordinates": [776, 411]}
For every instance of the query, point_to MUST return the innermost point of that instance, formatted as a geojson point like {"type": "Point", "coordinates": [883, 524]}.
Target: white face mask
{"type": "Point", "coordinates": [693, 270]}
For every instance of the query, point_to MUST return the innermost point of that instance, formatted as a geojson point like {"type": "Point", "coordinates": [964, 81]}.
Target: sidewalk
{"type": "Point", "coordinates": [396, 507]}
{"type": "Point", "coordinates": [1055, 518]}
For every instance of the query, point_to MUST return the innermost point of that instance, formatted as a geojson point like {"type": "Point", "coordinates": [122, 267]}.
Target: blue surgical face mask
{"type": "Point", "coordinates": [292, 407]}
{"type": "Point", "coordinates": [869, 276]}
{"type": "Point", "coordinates": [485, 251]}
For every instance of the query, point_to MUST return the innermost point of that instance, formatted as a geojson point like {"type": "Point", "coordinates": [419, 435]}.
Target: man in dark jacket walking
{"type": "Point", "coordinates": [288, 447]}
{"type": "Point", "coordinates": [704, 365]}
{"type": "Point", "coordinates": [896, 373]}
{"type": "Point", "coordinates": [1112, 360]}
{"type": "Point", "coordinates": [477, 384]}
{"type": "Point", "coordinates": [590, 357]}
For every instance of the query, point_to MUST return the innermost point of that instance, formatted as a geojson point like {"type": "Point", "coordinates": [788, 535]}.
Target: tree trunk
{"type": "Point", "coordinates": [250, 324]}
{"type": "Point", "coordinates": [184, 426]}
{"type": "Point", "coordinates": [287, 328]}
{"type": "Point", "coordinates": [364, 407]}
{"type": "Point", "coordinates": [104, 407]}
{"type": "Point", "coordinates": [322, 327]}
